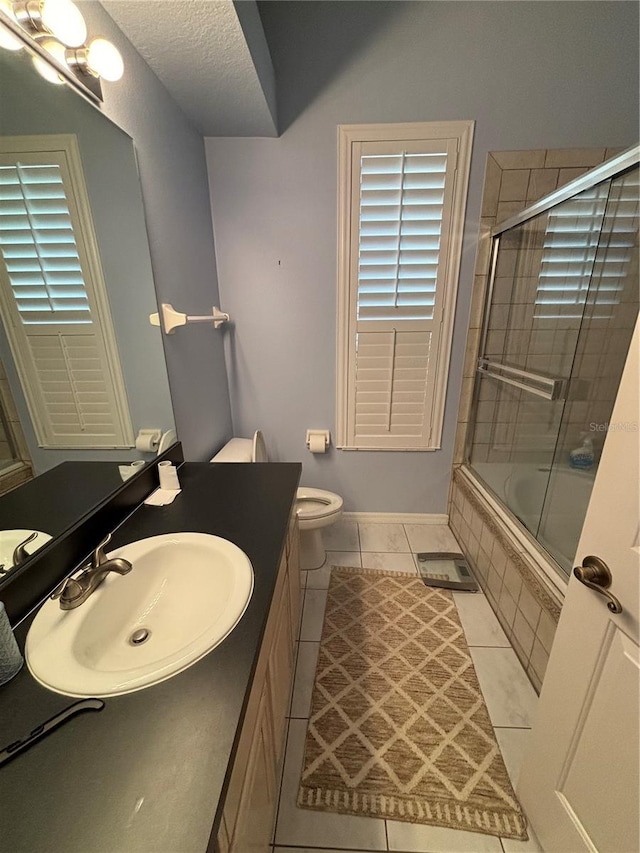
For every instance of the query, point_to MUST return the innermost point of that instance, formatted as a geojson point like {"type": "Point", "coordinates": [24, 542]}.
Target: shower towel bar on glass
{"type": "Point", "coordinates": [533, 383]}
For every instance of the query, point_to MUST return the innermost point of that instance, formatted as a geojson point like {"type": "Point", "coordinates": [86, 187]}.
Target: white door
{"type": "Point", "coordinates": [580, 779]}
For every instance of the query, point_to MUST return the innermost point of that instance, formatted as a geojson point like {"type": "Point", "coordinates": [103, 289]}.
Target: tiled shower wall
{"type": "Point", "coordinates": [513, 181]}
{"type": "Point", "coordinates": [527, 604]}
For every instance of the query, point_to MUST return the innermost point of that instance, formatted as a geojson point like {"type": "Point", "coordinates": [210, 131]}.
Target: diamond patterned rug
{"type": "Point", "coordinates": [398, 725]}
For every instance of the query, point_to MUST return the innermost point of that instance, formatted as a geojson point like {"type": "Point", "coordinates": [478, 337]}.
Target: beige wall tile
{"type": "Point", "coordinates": [473, 545]}
{"type": "Point", "coordinates": [466, 394]}
{"type": "Point", "coordinates": [537, 682]}
{"type": "Point", "coordinates": [512, 581]}
{"type": "Point", "coordinates": [517, 648]}
{"type": "Point", "coordinates": [523, 633]}
{"type": "Point", "coordinates": [498, 558]}
{"type": "Point", "coordinates": [487, 539]}
{"type": "Point", "coordinates": [519, 159]}
{"type": "Point", "coordinates": [476, 525]}
{"type": "Point", "coordinates": [506, 606]}
{"type": "Point", "coordinates": [541, 183]}
{"type": "Point", "coordinates": [494, 582]}
{"type": "Point", "coordinates": [571, 157]}
{"type": "Point", "coordinates": [471, 354]}
{"type": "Point", "coordinates": [546, 630]}
{"type": "Point", "coordinates": [491, 189]}
{"type": "Point", "coordinates": [507, 209]}
{"type": "Point", "coordinates": [567, 175]}
{"type": "Point", "coordinates": [514, 184]}
{"type": "Point", "coordinates": [539, 659]}
{"type": "Point", "coordinates": [460, 441]}
{"type": "Point", "coordinates": [477, 301]}
{"type": "Point", "coordinates": [483, 562]}
{"type": "Point", "coordinates": [529, 606]}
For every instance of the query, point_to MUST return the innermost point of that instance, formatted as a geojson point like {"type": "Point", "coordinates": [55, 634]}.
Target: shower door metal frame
{"type": "Point", "coordinates": [610, 169]}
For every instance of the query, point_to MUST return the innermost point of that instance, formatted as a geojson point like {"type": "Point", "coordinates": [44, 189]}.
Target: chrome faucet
{"type": "Point", "coordinates": [75, 591]}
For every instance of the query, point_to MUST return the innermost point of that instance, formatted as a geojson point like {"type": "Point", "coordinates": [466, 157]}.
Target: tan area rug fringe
{"type": "Point", "coordinates": [398, 726]}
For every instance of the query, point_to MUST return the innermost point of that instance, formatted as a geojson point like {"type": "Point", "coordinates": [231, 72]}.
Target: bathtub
{"type": "Point", "coordinates": [551, 503]}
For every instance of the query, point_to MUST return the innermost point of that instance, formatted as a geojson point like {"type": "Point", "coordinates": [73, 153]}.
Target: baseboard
{"type": "Point", "coordinates": [398, 517]}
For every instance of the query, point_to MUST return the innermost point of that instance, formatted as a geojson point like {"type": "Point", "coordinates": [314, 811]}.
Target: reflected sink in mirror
{"type": "Point", "coordinates": [184, 596]}
{"type": "Point", "coordinates": [9, 541]}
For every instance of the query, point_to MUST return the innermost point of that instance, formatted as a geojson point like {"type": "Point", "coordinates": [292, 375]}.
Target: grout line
{"type": "Point", "coordinates": [386, 834]}
{"type": "Point", "coordinates": [518, 728]}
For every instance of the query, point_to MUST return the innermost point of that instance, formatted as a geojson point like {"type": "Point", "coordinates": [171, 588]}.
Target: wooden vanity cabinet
{"type": "Point", "coordinates": [250, 804]}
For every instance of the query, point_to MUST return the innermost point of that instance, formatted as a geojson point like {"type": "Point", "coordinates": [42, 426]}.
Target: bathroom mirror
{"type": "Point", "coordinates": [31, 107]}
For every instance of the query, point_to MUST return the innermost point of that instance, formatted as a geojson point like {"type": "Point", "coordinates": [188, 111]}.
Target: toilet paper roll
{"type": "Point", "coordinates": [168, 476]}
{"type": "Point", "coordinates": [127, 471]}
{"type": "Point", "coordinates": [317, 444]}
{"type": "Point", "coordinates": [147, 440]}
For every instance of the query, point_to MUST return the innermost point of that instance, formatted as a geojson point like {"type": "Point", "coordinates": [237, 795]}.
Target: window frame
{"type": "Point", "coordinates": [349, 136]}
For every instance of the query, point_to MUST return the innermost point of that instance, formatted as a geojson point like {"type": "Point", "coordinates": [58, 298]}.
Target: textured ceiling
{"type": "Point", "coordinates": [204, 56]}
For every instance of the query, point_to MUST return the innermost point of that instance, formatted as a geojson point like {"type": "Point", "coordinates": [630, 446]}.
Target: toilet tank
{"type": "Point", "coordinates": [243, 450]}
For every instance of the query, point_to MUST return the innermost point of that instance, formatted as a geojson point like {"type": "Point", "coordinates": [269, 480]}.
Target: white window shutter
{"type": "Point", "coordinates": [53, 299]}
{"type": "Point", "coordinates": [399, 256]}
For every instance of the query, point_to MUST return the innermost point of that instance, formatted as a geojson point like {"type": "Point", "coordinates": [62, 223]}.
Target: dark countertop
{"type": "Point", "coordinates": [55, 500]}
{"type": "Point", "coordinates": [147, 772]}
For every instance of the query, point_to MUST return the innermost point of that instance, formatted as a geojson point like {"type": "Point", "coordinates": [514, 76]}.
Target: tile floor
{"type": "Point", "coordinates": [509, 695]}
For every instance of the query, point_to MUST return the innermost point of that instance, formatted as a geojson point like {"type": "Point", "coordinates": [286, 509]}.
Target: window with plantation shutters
{"type": "Point", "coordinates": [402, 192]}
{"type": "Point", "coordinates": [54, 305]}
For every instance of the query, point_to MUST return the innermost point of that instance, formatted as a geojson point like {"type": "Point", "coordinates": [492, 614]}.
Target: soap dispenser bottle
{"type": "Point", "coordinates": [583, 457]}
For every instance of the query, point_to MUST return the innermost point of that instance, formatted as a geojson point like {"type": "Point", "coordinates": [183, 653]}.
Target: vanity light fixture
{"type": "Point", "coordinates": [99, 58]}
{"type": "Point", "coordinates": [56, 33]}
{"type": "Point", "coordinates": [46, 69]}
{"type": "Point", "coordinates": [8, 41]}
{"type": "Point", "coordinates": [60, 18]}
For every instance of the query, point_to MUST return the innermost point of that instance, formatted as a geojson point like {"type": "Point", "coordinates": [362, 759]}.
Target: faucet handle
{"type": "Point", "coordinates": [99, 557]}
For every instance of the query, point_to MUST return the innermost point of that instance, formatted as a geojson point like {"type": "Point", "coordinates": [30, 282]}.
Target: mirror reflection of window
{"type": "Point", "coordinates": [52, 290]}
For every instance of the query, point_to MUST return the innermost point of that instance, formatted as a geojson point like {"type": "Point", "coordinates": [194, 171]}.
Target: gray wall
{"type": "Point", "coordinates": [532, 75]}
{"type": "Point", "coordinates": [173, 175]}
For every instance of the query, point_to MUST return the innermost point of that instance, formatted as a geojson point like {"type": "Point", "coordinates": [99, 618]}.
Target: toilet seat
{"type": "Point", "coordinates": [316, 504]}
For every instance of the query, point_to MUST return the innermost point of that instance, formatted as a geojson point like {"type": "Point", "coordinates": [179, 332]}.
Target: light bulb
{"type": "Point", "coordinates": [104, 60]}
{"type": "Point", "coordinates": [64, 20]}
{"type": "Point", "coordinates": [47, 71]}
{"type": "Point", "coordinates": [7, 40]}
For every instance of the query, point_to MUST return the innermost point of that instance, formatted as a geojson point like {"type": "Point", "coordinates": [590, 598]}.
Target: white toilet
{"type": "Point", "coordinates": [315, 507]}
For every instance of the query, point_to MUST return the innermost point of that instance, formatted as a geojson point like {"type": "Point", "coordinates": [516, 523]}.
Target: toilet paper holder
{"type": "Point", "coordinates": [318, 433]}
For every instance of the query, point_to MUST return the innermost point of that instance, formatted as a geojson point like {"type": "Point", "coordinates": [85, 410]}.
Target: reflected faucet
{"type": "Point", "coordinates": [75, 591]}
{"type": "Point", "coordinates": [20, 554]}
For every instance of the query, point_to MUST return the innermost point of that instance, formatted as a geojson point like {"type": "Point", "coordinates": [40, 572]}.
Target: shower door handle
{"type": "Point", "coordinates": [595, 574]}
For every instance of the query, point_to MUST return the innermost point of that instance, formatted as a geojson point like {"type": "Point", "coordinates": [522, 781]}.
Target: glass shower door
{"type": "Point", "coordinates": [562, 306]}
{"type": "Point", "coordinates": [604, 338]}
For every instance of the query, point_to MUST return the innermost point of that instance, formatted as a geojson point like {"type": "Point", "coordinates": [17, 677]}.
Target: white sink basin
{"type": "Point", "coordinates": [187, 590]}
{"type": "Point", "coordinates": [9, 541]}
